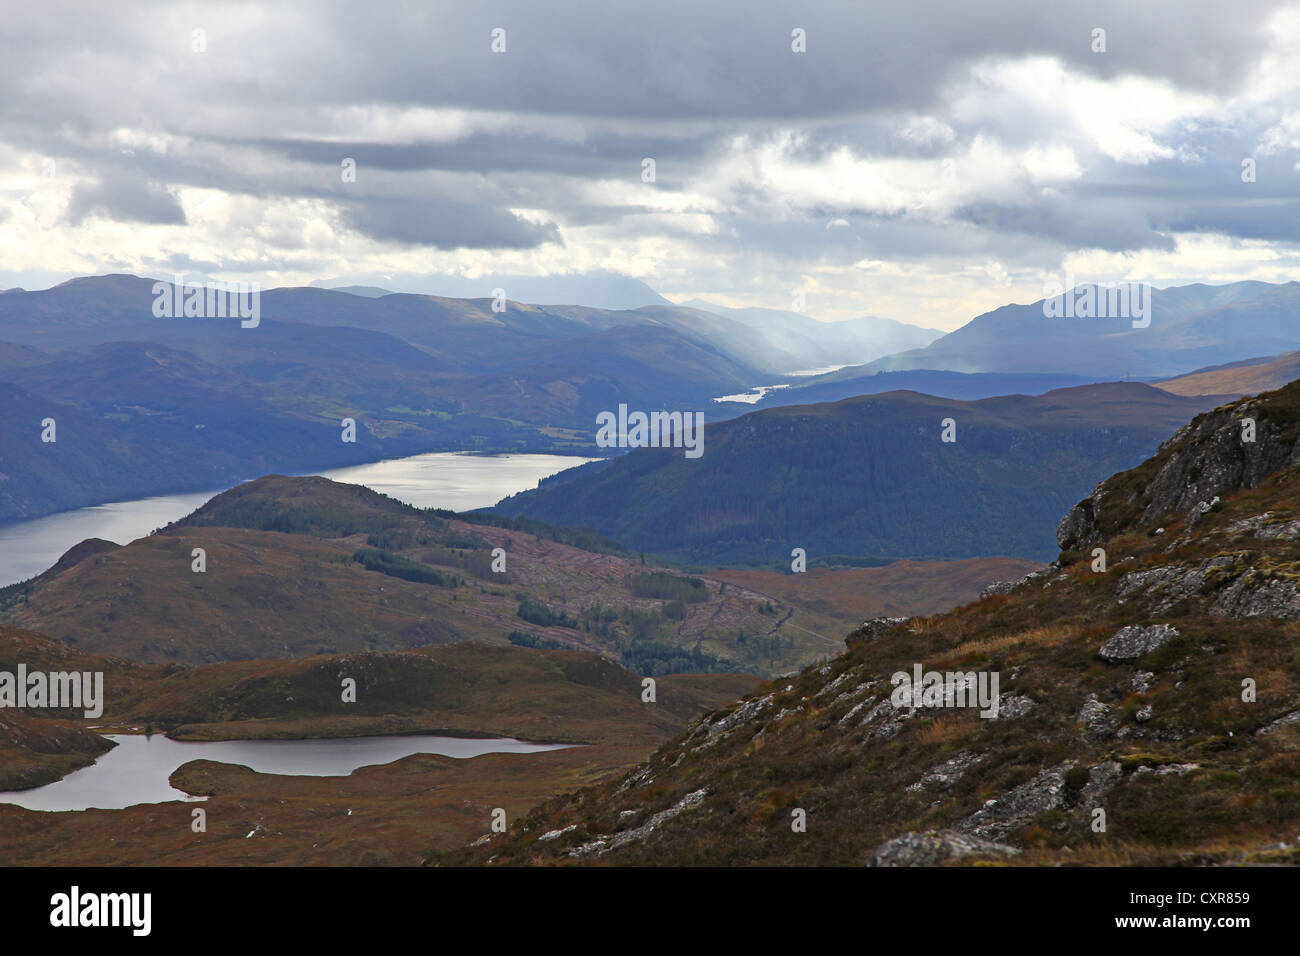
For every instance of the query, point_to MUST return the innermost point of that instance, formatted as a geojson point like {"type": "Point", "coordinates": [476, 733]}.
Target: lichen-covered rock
{"type": "Point", "coordinates": [1098, 722]}
{"type": "Point", "coordinates": [1256, 596]}
{"type": "Point", "coordinates": [1013, 706]}
{"type": "Point", "coordinates": [1132, 642]}
{"type": "Point", "coordinates": [936, 846]}
{"type": "Point", "coordinates": [1017, 807]}
{"type": "Point", "coordinates": [947, 773]}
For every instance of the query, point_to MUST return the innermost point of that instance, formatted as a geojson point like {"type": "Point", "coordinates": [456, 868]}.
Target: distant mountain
{"type": "Point", "coordinates": [968, 386]}
{"type": "Point", "coordinates": [613, 292]}
{"type": "Point", "coordinates": [195, 403]}
{"type": "Point", "coordinates": [1190, 327]}
{"type": "Point", "coordinates": [868, 477]}
{"type": "Point", "coordinates": [367, 291]}
{"type": "Point", "coordinates": [793, 341]}
{"type": "Point", "coordinates": [1160, 689]}
{"type": "Point", "coordinates": [1248, 377]}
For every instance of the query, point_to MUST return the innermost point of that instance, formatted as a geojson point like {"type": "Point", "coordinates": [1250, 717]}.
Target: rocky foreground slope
{"type": "Point", "coordinates": [1148, 703]}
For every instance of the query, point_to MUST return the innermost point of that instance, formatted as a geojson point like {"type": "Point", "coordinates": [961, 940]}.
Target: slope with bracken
{"type": "Point", "coordinates": [1149, 707]}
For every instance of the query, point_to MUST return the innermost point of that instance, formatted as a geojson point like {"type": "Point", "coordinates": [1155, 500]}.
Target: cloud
{"type": "Point", "coordinates": [445, 225]}
{"type": "Point", "coordinates": [125, 198]}
{"type": "Point", "coordinates": [971, 148]}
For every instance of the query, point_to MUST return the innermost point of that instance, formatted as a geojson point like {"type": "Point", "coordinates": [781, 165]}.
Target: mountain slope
{"type": "Point", "coordinates": [868, 477]}
{"type": "Point", "coordinates": [1147, 712]}
{"type": "Point", "coordinates": [1248, 377]}
{"type": "Point", "coordinates": [1190, 326]}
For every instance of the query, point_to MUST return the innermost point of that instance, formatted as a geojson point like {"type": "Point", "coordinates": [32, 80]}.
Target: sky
{"type": "Point", "coordinates": [924, 161]}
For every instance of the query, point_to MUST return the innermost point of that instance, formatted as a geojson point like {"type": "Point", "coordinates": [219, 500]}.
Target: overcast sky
{"type": "Point", "coordinates": [925, 161]}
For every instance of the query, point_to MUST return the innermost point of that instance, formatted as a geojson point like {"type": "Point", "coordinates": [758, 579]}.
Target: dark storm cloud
{"type": "Point", "coordinates": [1113, 226]}
{"type": "Point", "coordinates": [444, 224]}
{"type": "Point", "coordinates": [600, 154]}
{"type": "Point", "coordinates": [126, 198]}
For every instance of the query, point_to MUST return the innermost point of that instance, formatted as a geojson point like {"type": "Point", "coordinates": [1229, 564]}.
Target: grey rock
{"type": "Point", "coordinates": [1098, 721]}
{"type": "Point", "coordinates": [874, 628]}
{"type": "Point", "coordinates": [1012, 706]}
{"type": "Point", "coordinates": [1249, 596]}
{"type": "Point", "coordinates": [1284, 721]}
{"type": "Point", "coordinates": [1017, 807]}
{"type": "Point", "coordinates": [947, 773]}
{"type": "Point", "coordinates": [935, 846]}
{"type": "Point", "coordinates": [1204, 459]}
{"type": "Point", "coordinates": [1167, 769]}
{"type": "Point", "coordinates": [1101, 778]}
{"type": "Point", "coordinates": [1134, 641]}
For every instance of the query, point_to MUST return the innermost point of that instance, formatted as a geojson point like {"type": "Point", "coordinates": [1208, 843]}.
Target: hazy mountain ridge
{"type": "Point", "coordinates": [1190, 327]}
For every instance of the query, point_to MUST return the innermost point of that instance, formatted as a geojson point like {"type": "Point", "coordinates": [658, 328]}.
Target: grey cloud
{"type": "Point", "coordinates": [445, 225]}
{"type": "Point", "coordinates": [126, 198]}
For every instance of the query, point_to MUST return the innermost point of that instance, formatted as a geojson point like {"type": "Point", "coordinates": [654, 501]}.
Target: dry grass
{"type": "Point", "coordinates": [946, 730]}
{"type": "Point", "coordinates": [1049, 636]}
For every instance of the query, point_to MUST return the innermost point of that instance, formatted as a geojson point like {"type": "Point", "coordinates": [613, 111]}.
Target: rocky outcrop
{"type": "Point", "coordinates": [1015, 808]}
{"type": "Point", "coordinates": [1006, 587]}
{"type": "Point", "coordinates": [1203, 460]}
{"type": "Point", "coordinates": [603, 845]}
{"type": "Point", "coordinates": [1132, 642]}
{"type": "Point", "coordinates": [874, 628]}
{"type": "Point", "coordinates": [934, 847]}
{"type": "Point", "coordinates": [1099, 722]}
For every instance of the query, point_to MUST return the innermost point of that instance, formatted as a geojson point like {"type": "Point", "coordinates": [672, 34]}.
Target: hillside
{"type": "Point", "coordinates": [868, 477]}
{"type": "Point", "coordinates": [1162, 691]}
{"type": "Point", "coordinates": [1190, 327]}
{"type": "Point", "coordinates": [303, 566]}
{"type": "Point", "coordinates": [894, 590]}
{"type": "Point", "coordinates": [38, 745]}
{"type": "Point", "coordinates": [1249, 377]}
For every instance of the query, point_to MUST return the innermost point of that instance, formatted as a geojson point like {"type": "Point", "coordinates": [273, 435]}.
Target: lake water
{"type": "Point", "coordinates": [437, 480]}
{"type": "Point", "coordinates": [138, 768]}
{"type": "Point", "coordinates": [755, 395]}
